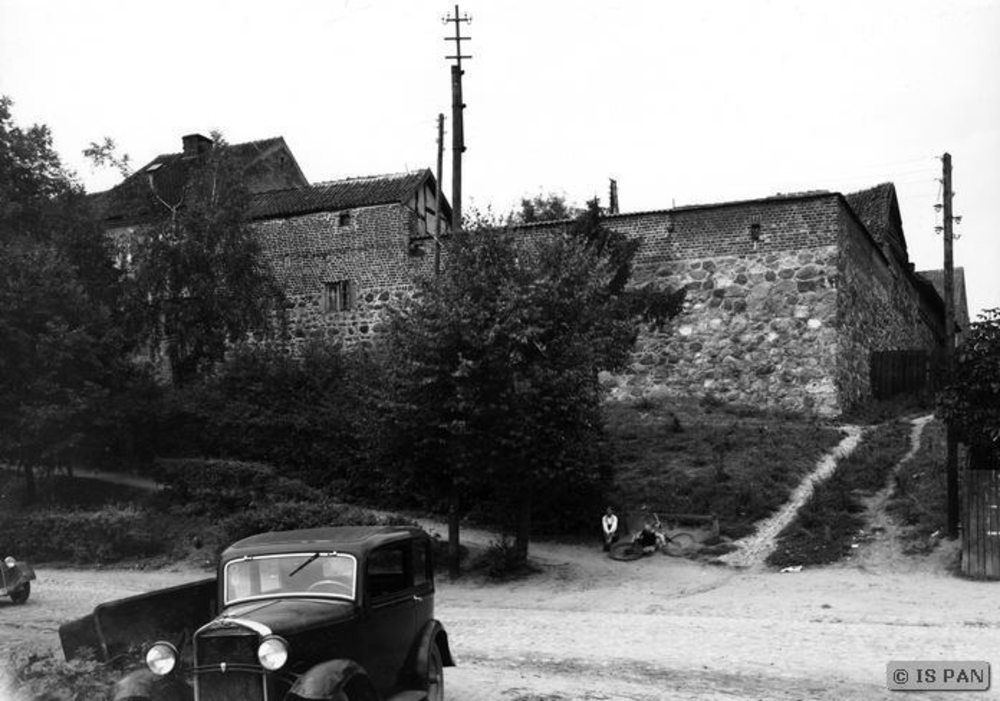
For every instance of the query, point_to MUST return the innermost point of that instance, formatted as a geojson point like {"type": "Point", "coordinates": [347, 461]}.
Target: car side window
{"type": "Point", "coordinates": [421, 564]}
{"type": "Point", "coordinates": [386, 571]}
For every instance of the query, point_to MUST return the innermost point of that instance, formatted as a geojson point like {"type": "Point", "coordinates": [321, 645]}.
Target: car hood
{"type": "Point", "coordinates": [284, 616]}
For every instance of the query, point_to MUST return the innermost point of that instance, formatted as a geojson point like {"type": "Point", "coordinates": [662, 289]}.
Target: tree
{"type": "Point", "coordinates": [496, 366]}
{"type": "Point", "coordinates": [60, 350]}
{"type": "Point", "coordinates": [198, 282]}
{"type": "Point", "coordinates": [971, 404]}
{"type": "Point", "coordinates": [542, 208]}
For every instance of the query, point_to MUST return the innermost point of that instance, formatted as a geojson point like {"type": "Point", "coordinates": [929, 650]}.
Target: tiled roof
{"type": "Point", "coordinates": [337, 195]}
{"type": "Point", "coordinates": [876, 207]}
{"type": "Point", "coordinates": [130, 200]}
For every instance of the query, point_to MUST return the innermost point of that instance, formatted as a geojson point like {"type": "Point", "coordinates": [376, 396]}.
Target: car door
{"type": "Point", "coordinates": [390, 620]}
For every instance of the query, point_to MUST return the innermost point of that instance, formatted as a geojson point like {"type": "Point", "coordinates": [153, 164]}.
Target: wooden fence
{"type": "Point", "coordinates": [981, 515]}
{"type": "Point", "coordinates": [904, 372]}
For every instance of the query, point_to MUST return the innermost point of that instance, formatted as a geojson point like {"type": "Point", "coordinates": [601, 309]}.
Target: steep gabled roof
{"type": "Point", "coordinates": [332, 196]}
{"type": "Point", "coordinates": [170, 172]}
{"type": "Point", "coordinates": [878, 209]}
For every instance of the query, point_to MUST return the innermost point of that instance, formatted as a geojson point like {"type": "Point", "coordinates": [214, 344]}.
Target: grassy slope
{"type": "Point", "coordinates": [740, 465]}
{"type": "Point", "coordinates": [919, 502]}
{"type": "Point", "coordinates": [825, 526]}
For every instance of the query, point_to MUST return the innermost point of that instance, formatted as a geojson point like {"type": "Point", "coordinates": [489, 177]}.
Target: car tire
{"type": "Point", "coordinates": [360, 689]}
{"type": "Point", "coordinates": [435, 674]}
{"type": "Point", "coordinates": [21, 594]}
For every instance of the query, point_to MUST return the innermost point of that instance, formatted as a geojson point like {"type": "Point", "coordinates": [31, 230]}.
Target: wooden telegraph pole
{"type": "Point", "coordinates": [458, 125]}
{"type": "Point", "coordinates": [457, 148]}
{"type": "Point", "coordinates": [951, 460]}
{"type": "Point", "coordinates": [437, 197]}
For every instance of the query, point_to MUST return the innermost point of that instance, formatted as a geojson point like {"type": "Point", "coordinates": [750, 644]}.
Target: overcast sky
{"type": "Point", "coordinates": [682, 102]}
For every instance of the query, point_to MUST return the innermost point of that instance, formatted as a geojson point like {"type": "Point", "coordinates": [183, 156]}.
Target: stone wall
{"type": "Point", "coordinates": [759, 321]}
{"type": "Point", "coordinates": [879, 309]}
{"type": "Point", "coordinates": [371, 251]}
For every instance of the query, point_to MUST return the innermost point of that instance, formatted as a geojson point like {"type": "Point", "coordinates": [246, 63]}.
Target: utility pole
{"type": "Point", "coordinates": [457, 148]}
{"type": "Point", "coordinates": [458, 125]}
{"type": "Point", "coordinates": [437, 197]}
{"type": "Point", "coordinates": [951, 460]}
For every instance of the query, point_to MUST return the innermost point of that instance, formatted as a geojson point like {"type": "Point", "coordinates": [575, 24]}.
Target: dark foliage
{"type": "Point", "coordinates": [311, 417]}
{"type": "Point", "coordinates": [62, 355]}
{"type": "Point", "coordinates": [198, 281]}
{"type": "Point", "coordinates": [495, 367]}
{"type": "Point", "coordinates": [219, 487]}
{"type": "Point", "coordinates": [288, 515]}
{"type": "Point", "coordinates": [41, 675]}
{"type": "Point", "coordinates": [971, 404]}
{"type": "Point", "coordinates": [109, 534]}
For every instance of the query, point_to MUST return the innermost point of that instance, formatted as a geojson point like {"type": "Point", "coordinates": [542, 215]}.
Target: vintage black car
{"type": "Point", "coordinates": [15, 579]}
{"type": "Point", "coordinates": [342, 614]}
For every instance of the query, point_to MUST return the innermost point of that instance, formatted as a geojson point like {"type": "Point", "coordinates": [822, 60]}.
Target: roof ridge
{"type": "Point", "coordinates": [377, 176]}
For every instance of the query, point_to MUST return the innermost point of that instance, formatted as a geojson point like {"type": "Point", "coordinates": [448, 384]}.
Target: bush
{"type": "Point", "coordinates": [309, 415]}
{"type": "Point", "coordinates": [284, 516]}
{"type": "Point", "coordinates": [110, 534]}
{"type": "Point", "coordinates": [37, 675]}
{"type": "Point", "coordinates": [224, 486]}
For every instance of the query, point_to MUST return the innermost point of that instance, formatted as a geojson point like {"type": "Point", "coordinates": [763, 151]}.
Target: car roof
{"type": "Point", "coordinates": [355, 540]}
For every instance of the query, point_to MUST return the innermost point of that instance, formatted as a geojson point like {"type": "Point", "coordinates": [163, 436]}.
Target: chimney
{"type": "Point", "coordinates": [613, 197]}
{"type": "Point", "coordinates": [195, 144]}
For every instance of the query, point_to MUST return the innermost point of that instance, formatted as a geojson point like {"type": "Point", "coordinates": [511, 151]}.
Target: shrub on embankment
{"type": "Point", "coordinates": [102, 536]}
{"type": "Point", "coordinates": [828, 523]}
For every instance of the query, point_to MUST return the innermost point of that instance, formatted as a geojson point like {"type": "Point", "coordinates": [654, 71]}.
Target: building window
{"type": "Point", "coordinates": [344, 219]}
{"type": "Point", "coordinates": [338, 296]}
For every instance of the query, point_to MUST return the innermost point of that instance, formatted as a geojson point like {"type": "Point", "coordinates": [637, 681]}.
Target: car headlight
{"type": "Point", "coordinates": [161, 658]}
{"type": "Point", "coordinates": [273, 653]}
{"type": "Point", "coordinates": [9, 561]}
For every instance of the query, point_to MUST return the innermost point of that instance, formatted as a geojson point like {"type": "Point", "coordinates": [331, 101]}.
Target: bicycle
{"type": "Point", "coordinates": [676, 545]}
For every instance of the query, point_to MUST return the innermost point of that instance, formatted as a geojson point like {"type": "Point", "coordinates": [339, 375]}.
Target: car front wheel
{"type": "Point", "coordinates": [435, 675]}
{"type": "Point", "coordinates": [21, 594]}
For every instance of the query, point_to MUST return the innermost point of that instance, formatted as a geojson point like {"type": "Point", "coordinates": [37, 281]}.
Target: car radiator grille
{"type": "Point", "coordinates": [243, 678]}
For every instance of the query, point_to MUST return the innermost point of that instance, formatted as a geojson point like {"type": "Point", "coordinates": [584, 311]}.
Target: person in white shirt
{"type": "Point", "coordinates": [609, 524]}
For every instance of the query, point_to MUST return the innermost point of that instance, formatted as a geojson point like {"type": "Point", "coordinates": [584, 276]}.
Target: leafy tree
{"type": "Point", "coordinates": [971, 404]}
{"type": "Point", "coordinates": [496, 367]}
{"type": "Point", "coordinates": [60, 351]}
{"type": "Point", "coordinates": [541, 208]}
{"type": "Point", "coordinates": [198, 282]}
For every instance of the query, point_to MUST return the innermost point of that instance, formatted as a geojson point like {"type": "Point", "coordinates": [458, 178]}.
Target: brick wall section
{"type": "Point", "coordinates": [372, 251]}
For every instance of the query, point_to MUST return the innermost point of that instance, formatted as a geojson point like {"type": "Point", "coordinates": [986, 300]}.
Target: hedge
{"type": "Point", "coordinates": [113, 533]}
{"type": "Point", "coordinates": [283, 516]}
{"type": "Point", "coordinates": [223, 486]}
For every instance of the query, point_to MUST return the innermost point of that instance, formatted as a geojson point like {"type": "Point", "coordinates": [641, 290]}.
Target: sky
{"type": "Point", "coordinates": [681, 102]}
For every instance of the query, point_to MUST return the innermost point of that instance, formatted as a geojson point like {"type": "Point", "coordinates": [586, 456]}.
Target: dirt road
{"type": "Point", "coordinates": [587, 627]}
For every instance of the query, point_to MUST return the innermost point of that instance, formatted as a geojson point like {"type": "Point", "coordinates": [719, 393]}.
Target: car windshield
{"type": "Point", "coordinates": [315, 574]}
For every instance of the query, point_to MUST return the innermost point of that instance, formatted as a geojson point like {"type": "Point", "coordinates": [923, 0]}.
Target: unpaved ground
{"type": "Point", "coordinates": [586, 627]}
{"type": "Point", "coordinates": [590, 628]}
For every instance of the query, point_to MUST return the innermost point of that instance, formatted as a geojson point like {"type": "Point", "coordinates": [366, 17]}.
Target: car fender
{"type": "Point", "coordinates": [143, 684]}
{"type": "Point", "coordinates": [432, 633]}
{"type": "Point", "coordinates": [327, 681]}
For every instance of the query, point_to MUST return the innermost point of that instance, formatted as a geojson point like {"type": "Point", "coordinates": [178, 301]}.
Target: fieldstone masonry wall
{"type": "Point", "coordinates": [786, 298]}
{"type": "Point", "coordinates": [878, 309]}
{"type": "Point", "coordinates": [371, 251]}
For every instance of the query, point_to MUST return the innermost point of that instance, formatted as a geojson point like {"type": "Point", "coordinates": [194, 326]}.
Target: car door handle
{"type": "Point", "coordinates": [417, 598]}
